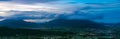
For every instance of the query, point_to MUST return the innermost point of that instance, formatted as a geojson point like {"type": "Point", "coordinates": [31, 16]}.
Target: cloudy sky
{"type": "Point", "coordinates": [38, 11]}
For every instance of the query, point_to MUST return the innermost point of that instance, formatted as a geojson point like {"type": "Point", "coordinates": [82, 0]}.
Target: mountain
{"type": "Point", "coordinates": [55, 24]}
{"type": "Point", "coordinates": [74, 24]}
{"type": "Point", "coordinates": [17, 23]}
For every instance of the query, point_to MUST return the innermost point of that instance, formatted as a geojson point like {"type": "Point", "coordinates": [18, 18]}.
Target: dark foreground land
{"type": "Point", "coordinates": [9, 33]}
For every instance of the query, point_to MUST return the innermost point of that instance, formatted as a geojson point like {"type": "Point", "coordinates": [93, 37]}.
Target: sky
{"type": "Point", "coordinates": [40, 11]}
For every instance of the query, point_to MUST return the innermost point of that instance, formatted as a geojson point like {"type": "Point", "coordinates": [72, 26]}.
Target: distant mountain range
{"type": "Point", "coordinates": [55, 24]}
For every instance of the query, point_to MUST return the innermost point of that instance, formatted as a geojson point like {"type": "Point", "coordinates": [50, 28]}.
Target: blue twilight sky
{"type": "Point", "coordinates": [39, 11]}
